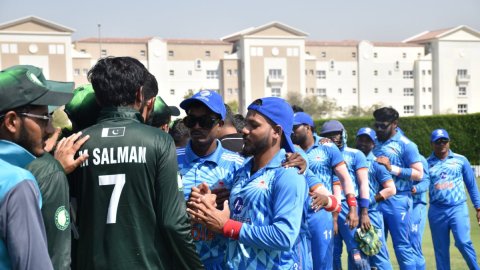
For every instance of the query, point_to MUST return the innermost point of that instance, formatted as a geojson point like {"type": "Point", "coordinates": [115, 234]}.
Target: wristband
{"type": "Point", "coordinates": [363, 203]}
{"type": "Point", "coordinates": [332, 204]}
{"type": "Point", "coordinates": [395, 170]}
{"type": "Point", "coordinates": [232, 228]}
{"type": "Point", "coordinates": [351, 200]}
{"type": "Point", "coordinates": [405, 173]}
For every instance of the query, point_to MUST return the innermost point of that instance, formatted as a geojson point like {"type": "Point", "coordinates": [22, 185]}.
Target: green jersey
{"type": "Point", "coordinates": [53, 185]}
{"type": "Point", "coordinates": [131, 210]}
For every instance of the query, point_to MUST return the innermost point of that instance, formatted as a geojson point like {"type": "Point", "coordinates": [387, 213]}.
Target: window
{"type": "Point", "coordinates": [83, 51]}
{"type": "Point", "coordinates": [171, 53]}
{"type": "Point", "coordinates": [424, 106]}
{"type": "Point", "coordinates": [292, 51]}
{"type": "Point", "coordinates": [408, 109]}
{"type": "Point", "coordinates": [375, 90]}
{"type": "Point", "coordinates": [103, 53]}
{"type": "Point", "coordinates": [404, 55]}
{"type": "Point", "coordinates": [324, 54]}
{"type": "Point", "coordinates": [354, 55]}
{"type": "Point", "coordinates": [429, 72]}
{"type": "Point", "coordinates": [275, 92]}
{"type": "Point", "coordinates": [275, 73]}
{"type": "Point", "coordinates": [332, 64]}
{"type": "Point", "coordinates": [375, 55]}
{"type": "Point", "coordinates": [354, 90]}
{"type": "Point", "coordinates": [189, 73]}
{"type": "Point", "coordinates": [390, 73]}
{"type": "Point", "coordinates": [9, 48]}
{"type": "Point", "coordinates": [423, 72]}
{"type": "Point", "coordinates": [198, 64]}
{"type": "Point", "coordinates": [306, 90]}
{"type": "Point", "coordinates": [339, 90]}
{"type": "Point", "coordinates": [462, 73]}
{"type": "Point", "coordinates": [172, 91]}
{"type": "Point", "coordinates": [375, 73]}
{"type": "Point", "coordinates": [230, 91]}
{"type": "Point", "coordinates": [407, 92]}
{"type": "Point", "coordinates": [171, 72]}
{"type": "Point", "coordinates": [56, 49]}
{"type": "Point", "coordinates": [235, 72]}
{"type": "Point", "coordinates": [408, 74]}
{"type": "Point", "coordinates": [397, 65]}
{"type": "Point", "coordinates": [256, 51]}
{"type": "Point", "coordinates": [229, 72]}
{"type": "Point", "coordinates": [311, 72]}
{"type": "Point", "coordinates": [423, 89]}
{"type": "Point", "coordinates": [321, 74]}
{"type": "Point", "coordinates": [429, 89]}
{"type": "Point", "coordinates": [462, 108]}
{"type": "Point", "coordinates": [312, 90]}
{"type": "Point", "coordinates": [207, 53]}
{"type": "Point", "coordinates": [354, 73]}
{"type": "Point", "coordinates": [430, 106]}
{"type": "Point", "coordinates": [236, 90]}
{"type": "Point", "coordinates": [85, 71]}
{"type": "Point", "coordinates": [76, 72]}
{"type": "Point", "coordinates": [321, 92]}
{"type": "Point", "coordinates": [142, 52]}
{"type": "Point", "coordinates": [390, 90]}
{"type": "Point", "coordinates": [339, 72]}
{"type": "Point", "coordinates": [462, 91]}
{"type": "Point", "coordinates": [212, 74]}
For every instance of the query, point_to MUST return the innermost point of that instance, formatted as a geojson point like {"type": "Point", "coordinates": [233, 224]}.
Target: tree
{"type": "Point", "coordinates": [355, 111]}
{"type": "Point", "coordinates": [188, 94]}
{"type": "Point", "coordinates": [317, 107]}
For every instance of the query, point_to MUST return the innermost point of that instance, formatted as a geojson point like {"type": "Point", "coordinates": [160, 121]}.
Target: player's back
{"type": "Point", "coordinates": [127, 204]}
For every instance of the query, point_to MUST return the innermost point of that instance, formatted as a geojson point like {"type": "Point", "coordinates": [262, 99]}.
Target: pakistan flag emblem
{"type": "Point", "coordinates": [62, 218]}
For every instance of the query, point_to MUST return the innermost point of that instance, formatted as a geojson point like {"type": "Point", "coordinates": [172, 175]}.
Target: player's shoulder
{"type": "Point", "coordinates": [231, 156]}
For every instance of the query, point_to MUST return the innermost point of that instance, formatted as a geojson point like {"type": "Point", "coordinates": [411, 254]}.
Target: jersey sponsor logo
{"type": "Point", "coordinates": [113, 132]}
{"type": "Point", "coordinates": [238, 205]}
{"type": "Point", "coordinates": [444, 185]}
{"type": "Point", "coordinates": [62, 218]}
{"type": "Point", "coordinates": [262, 184]}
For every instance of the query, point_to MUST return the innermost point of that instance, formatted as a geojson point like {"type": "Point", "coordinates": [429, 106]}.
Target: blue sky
{"type": "Point", "coordinates": [375, 20]}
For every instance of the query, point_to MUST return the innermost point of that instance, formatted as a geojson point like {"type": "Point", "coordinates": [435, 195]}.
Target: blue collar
{"type": "Point", "coordinates": [371, 156]}
{"type": "Point", "coordinates": [15, 154]}
{"type": "Point", "coordinates": [395, 137]}
{"type": "Point", "coordinates": [212, 157]}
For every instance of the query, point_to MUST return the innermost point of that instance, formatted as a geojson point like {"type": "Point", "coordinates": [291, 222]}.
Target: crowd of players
{"type": "Point", "coordinates": [125, 190]}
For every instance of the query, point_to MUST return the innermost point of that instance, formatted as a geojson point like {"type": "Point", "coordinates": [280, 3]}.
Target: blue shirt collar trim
{"type": "Point", "coordinates": [213, 157]}
{"type": "Point", "coordinates": [15, 154]}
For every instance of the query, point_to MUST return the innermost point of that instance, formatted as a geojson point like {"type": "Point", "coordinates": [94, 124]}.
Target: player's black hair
{"type": "Point", "coordinates": [385, 114]}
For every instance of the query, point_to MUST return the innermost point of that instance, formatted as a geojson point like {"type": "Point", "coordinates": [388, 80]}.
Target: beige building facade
{"type": "Point", "coordinates": [431, 73]}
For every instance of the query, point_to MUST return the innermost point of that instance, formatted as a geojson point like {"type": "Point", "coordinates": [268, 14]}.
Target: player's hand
{"type": "Point", "coordinates": [52, 140]}
{"type": "Point", "coordinates": [325, 140]}
{"type": "Point", "coordinates": [385, 162]}
{"type": "Point", "coordinates": [335, 223]}
{"type": "Point", "coordinates": [223, 194]}
{"type": "Point", "coordinates": [364, 219]}
{"type": "Point", "coordinates": [295, 160]}
{"type": "Point", "coordinates": [352, 218]}
{"type": "Point", "coordinates": [208, 215]}
{"type": "Point", "coordinates": [318, 201]}
{"type": "Point", "coordinates": [414, 190]}
{"type": "Point", "coordinates": [66, 149]}
{"type": "Point", "coordinates": [478, 216]}
{"type": "Point", "coordinates": [202, 191]}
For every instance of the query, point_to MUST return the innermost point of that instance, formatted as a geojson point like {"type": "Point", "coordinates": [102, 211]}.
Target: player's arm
{"type": "Point", "coordinates": [471, 184]}
{"type": "Point", "coordinates": [414, 172]}
{"type": "Point", "coordinates": [342, 173]}
{"type": "Point", "coordinates": [22, 228]}
{"type": "Point", "coordinates": [170, 209]}
{"type": "Point", "coordinates": [385, 178]}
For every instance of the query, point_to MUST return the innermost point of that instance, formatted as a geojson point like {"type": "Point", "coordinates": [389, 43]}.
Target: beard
{"type": "Point", "coordinates": [299, 139]}
{"type": "Point", "coordinates": [25, 141]}
{"type": "Point", "coordinates": [253, 148]}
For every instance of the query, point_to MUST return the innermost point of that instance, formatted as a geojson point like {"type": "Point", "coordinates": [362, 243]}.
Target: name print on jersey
{"type": "Point", "coordinates": [114, 155]}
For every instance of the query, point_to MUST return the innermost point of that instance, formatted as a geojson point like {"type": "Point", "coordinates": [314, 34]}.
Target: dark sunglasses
{"type": "Point", "coordinates": [380, 125]}
{"type": "Point", "coordinates": [442, 141]}
{"type": "Point", "coordinates": [205, 121]}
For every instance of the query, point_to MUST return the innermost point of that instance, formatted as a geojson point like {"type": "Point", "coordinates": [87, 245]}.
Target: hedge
{"type": "Point", "coordinates": [464, 131]}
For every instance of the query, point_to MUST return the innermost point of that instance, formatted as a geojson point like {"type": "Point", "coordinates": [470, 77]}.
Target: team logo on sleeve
{"type": "Point", "coordinates": [237, 205]}
{"type": "Point", "coordinates": [62, 218]}
{"type": "Point", "coordinates": [113, 132]}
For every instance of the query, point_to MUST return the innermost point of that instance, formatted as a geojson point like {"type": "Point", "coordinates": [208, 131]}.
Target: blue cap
{"type": "Point", "coordinates": [439, 134]}
{"type": "Point", "coordinates": [281, 113]}
{"type": "Point", "coordinates": [211, 99]}
{"type": "Point", "coordinates": [301, 118]}
{"type": "Point", "coordinates": [331, 126]}
{"type": "Point", "coordinates": [367, 131]}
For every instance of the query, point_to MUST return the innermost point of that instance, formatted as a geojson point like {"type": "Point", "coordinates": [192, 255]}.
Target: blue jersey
{"type": "Point", "coordinates": [448, 178]}
{"type": "Point", "coordinates": [217, 170]}
{"type": "Point", "coordinates": [377, 176]}
{"type": "Point", "coordinates": [322, 158]}
{"type": "Point", "coordinates": [355, 160]}
{"type": "Point", "coordinates": [402, 153]}
{"type": "Point", "coordinates": [270, 203]}
{"type": "Point", "coordinates": [421, 187]}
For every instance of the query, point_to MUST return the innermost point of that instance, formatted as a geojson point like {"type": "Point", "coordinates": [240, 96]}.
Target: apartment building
{"type": "Point", "coordinates": [430, 73]}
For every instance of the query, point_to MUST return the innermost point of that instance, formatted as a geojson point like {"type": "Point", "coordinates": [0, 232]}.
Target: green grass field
{"type": "Point", "coordinates": [456, 259]}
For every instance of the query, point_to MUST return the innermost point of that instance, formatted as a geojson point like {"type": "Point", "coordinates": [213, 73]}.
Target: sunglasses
{"type": "Point", "coordinates": [442, 141]}
{"type": "Point", "coordinates": [205, 121]}
{"type": "Point", "coordinates": [380, 125]}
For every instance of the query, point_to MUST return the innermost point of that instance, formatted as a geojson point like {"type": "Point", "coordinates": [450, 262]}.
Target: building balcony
{"type": "Point", "coordinates": [275, 79]}
{"type": "Point", "coordinates": [463, 79]}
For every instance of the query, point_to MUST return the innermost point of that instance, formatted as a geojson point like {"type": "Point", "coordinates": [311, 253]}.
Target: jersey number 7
{"type": "Point", "coordinates": [119, 181]}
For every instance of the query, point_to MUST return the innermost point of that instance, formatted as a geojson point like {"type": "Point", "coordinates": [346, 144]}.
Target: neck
{"type": "Point", "coordinates": [309, 141]}
{"type": "Point", "coordinates": [261, 160]}
{"type": "Point", "coordinates": [204, 150]}
{"type": "Point", "coordinates": [442, 155]}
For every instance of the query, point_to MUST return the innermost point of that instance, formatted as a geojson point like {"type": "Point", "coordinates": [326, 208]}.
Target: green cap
{"type": "Point", "coordinates": [26, 85]}
{"type": "Point", "coordinates": [161, 108]}
{"type": "Point", "coordinates": [83, 109]}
